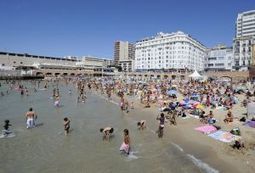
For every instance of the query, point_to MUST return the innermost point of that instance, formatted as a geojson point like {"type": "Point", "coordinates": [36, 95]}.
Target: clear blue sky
{"type": "Point", "coordinates": [90, 27]}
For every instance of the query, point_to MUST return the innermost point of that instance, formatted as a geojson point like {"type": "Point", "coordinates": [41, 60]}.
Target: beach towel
{"type": "Point", "coordinates": [223, 136]}
{"type": "Point", "coordinates": [194, 116]}
{"type": "Point", "coordinates": [206, 129]}
{"type": "Point", "coordinates": [251, 109]}
{"type": "Point", "coordinates": [250, 124]}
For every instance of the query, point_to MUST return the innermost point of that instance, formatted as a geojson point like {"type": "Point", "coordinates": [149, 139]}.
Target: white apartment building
{"type": "Point", "coordinates": [169, 51]}
{"type": "Point", "coordinates": [245, 24]}
{"type": "Point", "coordinates": [244, 40]}
{"type": "Point", "coordinates": [219, 58]}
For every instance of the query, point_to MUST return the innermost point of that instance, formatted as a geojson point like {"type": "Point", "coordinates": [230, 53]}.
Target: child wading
{"type": "Point", "coordinates": [125, 147]}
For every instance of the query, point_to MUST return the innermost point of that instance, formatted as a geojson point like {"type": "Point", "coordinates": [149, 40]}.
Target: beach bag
{"type": "Point", "coordinates": [243, 119]}
{"type": "Point", "coordinates": [217, 127]}
{"type": "Point", "coordinates": [235, 131]}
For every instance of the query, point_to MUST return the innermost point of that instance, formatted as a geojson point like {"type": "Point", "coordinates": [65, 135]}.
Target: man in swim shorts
{"type": "Point", "coordinates": [30, 117]}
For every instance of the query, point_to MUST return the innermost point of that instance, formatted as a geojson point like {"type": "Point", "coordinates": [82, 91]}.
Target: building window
{"type": "Point", "coordinates": [14, 62]}
{"type": "Point", "coordinates": [21, 62]}
{"type": "Point", "coordinates": [212, 58]}
{"type": "Point", "coordinates": [3, 64]}
{"type": "Point", "coordinates": [219, 64]}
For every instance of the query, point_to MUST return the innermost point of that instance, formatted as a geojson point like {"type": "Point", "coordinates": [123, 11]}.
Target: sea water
{"type": "Point", "coordinates": [46, 148]}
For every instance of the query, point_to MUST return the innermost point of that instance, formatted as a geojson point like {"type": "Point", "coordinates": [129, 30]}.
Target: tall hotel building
{"type": "Point", "coordinates": [244, 40]}
{"type": "Point", "coordinates": [167, 51]}
{"type": "Point", "coordinates": [124, 53]}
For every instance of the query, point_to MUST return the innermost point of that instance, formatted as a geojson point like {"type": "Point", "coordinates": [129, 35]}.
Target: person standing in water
{"type": "Point", "coordinates": [31, 116]}
{"type": "Point", "coordinates": [66, 125]}
{"type": "Point", "coordinates": [125, 147]}
{"type": "Point", "coordinates": [161, 125]}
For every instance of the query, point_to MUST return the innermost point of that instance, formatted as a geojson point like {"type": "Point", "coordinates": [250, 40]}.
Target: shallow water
{"type": "Point", "coordinates": [46, 148]}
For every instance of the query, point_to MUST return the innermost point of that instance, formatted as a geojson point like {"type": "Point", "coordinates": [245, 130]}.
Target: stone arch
{"type": "Point", "coordinates": [48, 74]}
{"type": "Point", "coordinates": [65, 74]}
{"type": "Point", "coordinates": [72, 74]}
{"type": "Point", "coordinates": [173, 76]}
{"type": "Point", "coordinates": [57, 74]}
{"type": "Point", "coordinates": [39, 74]}
{"type": "Point", "coordinates": [227, 77]}
{"type": "Point", "coordinates": [165, 76]}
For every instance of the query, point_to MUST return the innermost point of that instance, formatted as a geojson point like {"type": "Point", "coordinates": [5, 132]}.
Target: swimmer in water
{"type": "Point", "coordinates": [107, 132]}
{"type": "Point", "coordinates": [66, 125]}
{"type": "Point", "coordinates": [6, 127]}
{"type": "Point", "coordinates": [141, 124]}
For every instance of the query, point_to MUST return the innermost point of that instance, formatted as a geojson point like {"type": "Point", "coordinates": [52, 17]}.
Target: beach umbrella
{"type": "Point", "coordinates": [166, 110]}
{"type": "Point", "coordinates": [199, 106]}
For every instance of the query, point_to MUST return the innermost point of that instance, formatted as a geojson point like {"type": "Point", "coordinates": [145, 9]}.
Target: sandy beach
{"type": "Point", "coordinates": [214, 153]}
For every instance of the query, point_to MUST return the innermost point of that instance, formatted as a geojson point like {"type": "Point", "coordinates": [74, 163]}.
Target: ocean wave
{"type": "Point", "coordinates": [203, 166]}
{"type": "Point", "coordinates": [177, 146]}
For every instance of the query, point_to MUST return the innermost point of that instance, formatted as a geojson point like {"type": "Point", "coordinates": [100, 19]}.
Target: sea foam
{"type": "Point", "coordinates": [203, 166]}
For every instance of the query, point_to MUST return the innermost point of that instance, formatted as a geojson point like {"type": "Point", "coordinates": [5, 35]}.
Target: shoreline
{"type": "Point", "coordinates": [206, 153]}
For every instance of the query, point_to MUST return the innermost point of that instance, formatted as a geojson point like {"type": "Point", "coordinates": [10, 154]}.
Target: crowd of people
{"type": "Point", "coordinates": [173, 98]}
